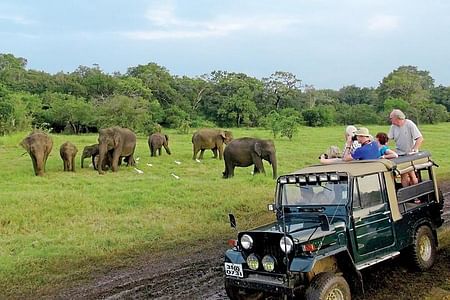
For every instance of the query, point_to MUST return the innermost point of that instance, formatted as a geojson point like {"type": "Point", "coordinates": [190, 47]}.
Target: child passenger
{"type": "Point", "coordinates": [385, 152]}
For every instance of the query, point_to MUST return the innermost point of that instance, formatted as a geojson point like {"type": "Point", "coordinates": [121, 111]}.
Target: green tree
{"type": "Point", "coordinates": [319, 116]}
{"type": "Point", "coordinates": [66, 111]}
{"type": "Point", "coordinates": [281, 89]}
{"type": "Point", "coordinates": [411, 85]}
{"type": "Point", "coordinates": [239, 108]}
{"type": "Point", "coordinates": [272, 122]}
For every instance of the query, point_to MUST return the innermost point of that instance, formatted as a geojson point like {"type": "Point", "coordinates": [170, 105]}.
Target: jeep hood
{"type": "Point", "coordinates": [300, 230]}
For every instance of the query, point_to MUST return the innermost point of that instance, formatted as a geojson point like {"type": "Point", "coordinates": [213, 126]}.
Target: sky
{"type": "Point", "coordinates": [324, 43]}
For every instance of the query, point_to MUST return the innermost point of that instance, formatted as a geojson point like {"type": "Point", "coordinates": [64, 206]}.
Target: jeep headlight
{"type": "Point", "coordinates": [286, 244]}
{"type": "Point", "coordinates": [253, 262]}
{"type": "Point", "coordinates": [268, 263]}
{"type": "Point", "coordinates": [246, 242]}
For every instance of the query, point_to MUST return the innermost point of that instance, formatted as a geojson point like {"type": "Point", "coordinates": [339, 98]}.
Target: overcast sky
{"type": "Point", "coordinates": [326, 43]}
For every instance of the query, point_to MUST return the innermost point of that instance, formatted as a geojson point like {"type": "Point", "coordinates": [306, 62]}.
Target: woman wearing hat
{"type": "Point", "coordinates": [368, 150]}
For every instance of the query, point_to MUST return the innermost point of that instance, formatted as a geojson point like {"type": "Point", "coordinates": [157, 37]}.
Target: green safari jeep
{"type": "Point", "coordinates": [333, 221]}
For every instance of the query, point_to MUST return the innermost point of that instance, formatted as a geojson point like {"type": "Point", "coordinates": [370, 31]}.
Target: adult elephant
{"type": "Point", "coordinates": [156, 141]}
{"type": "Point", "coordinates": [212, 139]}
{"type": "Point", "coordinates": [38, 145]}
{"type": "Point", "coordinates": [121, 142]}
{"type": "Point", "coordinates": [68, 151]}
{"type": "Point", "coordinates": [246, 151]}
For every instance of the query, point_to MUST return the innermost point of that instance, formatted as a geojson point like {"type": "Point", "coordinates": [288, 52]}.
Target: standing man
{"type": "Point", "coordinates": [407, 139]}
{"type": "Point", "coordinates": [405, 133]}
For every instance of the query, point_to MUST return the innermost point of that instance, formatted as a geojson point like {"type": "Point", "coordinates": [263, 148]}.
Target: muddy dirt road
{"type": "Point", "coordinates": [197, 276]}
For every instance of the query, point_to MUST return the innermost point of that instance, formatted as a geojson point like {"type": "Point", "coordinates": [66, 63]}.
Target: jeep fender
{"type": "Point", "coordinates": [423, 222]}
{"type": "Point", "coordinates": [234, 257]}
{"type": "Point", "coordinates": [337, 260]}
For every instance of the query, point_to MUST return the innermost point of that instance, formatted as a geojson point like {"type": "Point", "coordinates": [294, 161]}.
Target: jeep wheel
{"type": "Point", "coordinates": [423, 251]}
{"type": "Point", "coordinates": [328, 286]}
{"type": "Point", "coordinates": [235, 293]}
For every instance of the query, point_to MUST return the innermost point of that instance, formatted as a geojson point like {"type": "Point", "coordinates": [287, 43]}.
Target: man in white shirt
{"type": "Point", "coordinates": [407, 139]}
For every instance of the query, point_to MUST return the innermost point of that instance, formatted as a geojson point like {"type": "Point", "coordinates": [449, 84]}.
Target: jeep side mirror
{"type": "Point", "coordinates": [324, 223]}
{"type": "Point", "coordinates": [232, 220]}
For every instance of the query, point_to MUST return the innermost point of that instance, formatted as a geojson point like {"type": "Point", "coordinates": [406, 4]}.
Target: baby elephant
{"type": "Point", "coordinates": [68, 151]}
{"type": "Point", "coordinates": [156, 141]}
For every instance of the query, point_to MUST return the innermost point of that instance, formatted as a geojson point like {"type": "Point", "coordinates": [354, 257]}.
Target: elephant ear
{"type": "Point", "coordinates": [222, 134]}
{"type": "Point", "coordinates": [24, 143]}
{"type": "Point", "coordinates": [258, 148]}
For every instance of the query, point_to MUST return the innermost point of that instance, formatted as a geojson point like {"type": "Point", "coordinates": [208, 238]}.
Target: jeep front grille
{"type": "Point", "coordinates": [268, 244]}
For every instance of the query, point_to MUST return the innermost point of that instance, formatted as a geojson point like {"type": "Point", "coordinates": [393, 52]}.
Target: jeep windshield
{"type": "Point", "coordinates": [314, 190]}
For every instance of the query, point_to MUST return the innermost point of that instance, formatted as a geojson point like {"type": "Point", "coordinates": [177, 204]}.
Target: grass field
{"type": "Point", "coordinates": [60, 227]}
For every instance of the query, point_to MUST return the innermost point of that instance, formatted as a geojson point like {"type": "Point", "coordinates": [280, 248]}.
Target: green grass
{"type": "Point", "coordinates": [63, 226]}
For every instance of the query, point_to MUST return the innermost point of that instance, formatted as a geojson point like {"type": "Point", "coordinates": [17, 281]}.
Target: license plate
{"type": "Point", "coordinates": [234, 270]}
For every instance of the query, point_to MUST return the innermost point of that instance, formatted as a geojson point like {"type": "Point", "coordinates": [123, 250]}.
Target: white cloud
{"type": "Point", "coordinates": [383, 23]}
{"type": "Point", "coordinates": [16, 19]}
{"type": "Point", "coordinates": [166, 25]}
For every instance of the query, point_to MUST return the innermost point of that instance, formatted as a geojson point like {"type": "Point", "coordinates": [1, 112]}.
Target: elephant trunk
{"type": "Point", "coordinates": [40, 165]}
{"type": "Point", "coordinates": [82, 160]}
{"type": "Point", "coordinates": [273, 161]}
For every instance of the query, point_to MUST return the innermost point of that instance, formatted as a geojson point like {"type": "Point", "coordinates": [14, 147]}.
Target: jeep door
{"type": "Point", "coordinates": [372, 224]}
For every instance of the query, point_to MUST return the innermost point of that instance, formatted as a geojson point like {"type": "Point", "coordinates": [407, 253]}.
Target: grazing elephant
{"type": "Point", "coordinates": [121, 142]}
{"type": "Point", "coordinates": [68, 151]}
{"type": "Point", "coordinates": [244, 152]}
{"type": "Point", "coordinates": [210, 139]}
{"type": "Point", "coordinates": [38, 145]}
{"type": "Point", "coordinates": [90, 151]}
{"type": "Point", "coordinates": [156, 141]}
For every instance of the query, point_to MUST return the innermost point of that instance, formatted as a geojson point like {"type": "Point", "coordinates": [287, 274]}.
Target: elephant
{"type": "Point", "coordinates": [68, 151]}
{"type": "Point", "coordinates": [210, 139]}
{"type": "Point", "coordinates": [156, 141]}
{"type": "Point", "coordinates": [247, 151]}
{"type": "Point", "coordinates": [90, 151]}
{"type": "Point", "coordinates": [121, 142]}
{"type": "Point", "coordinates": [38, 145]}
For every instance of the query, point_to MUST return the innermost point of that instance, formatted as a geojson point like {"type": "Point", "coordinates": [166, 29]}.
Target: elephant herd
{"type": "Point", "coordinates": [116, 144]}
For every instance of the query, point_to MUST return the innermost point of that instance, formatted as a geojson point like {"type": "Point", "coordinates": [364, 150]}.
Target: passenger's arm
{"type": "Point", "coordinates": [390, 154]}
{"type": "Point", "coordinates": [417, 144]}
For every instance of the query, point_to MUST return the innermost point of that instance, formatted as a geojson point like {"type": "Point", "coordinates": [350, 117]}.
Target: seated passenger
{"type": "Point", "coordinates": [368, 150]}
{"type": "Point", "coordinates": [333, 154]}
{"type": "Point", "coordinates": [385, 152]}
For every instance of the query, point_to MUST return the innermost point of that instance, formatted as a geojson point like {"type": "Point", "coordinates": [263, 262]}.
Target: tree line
{"type": "Point", "coordinates": [88, 99]}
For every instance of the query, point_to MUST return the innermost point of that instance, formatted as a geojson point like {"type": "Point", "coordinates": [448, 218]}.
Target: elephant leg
{"type": "Point", "coordinates": [220, 148]}
{"type": "Point", "coordinates": [214, 150]}
{"type": "Point", "coordinates": [93, 162]}
{"type": "Point", "coordinates": [159, 151]}
{"type": "Point", "coordinates": [259, 167]}
{"type": "Point", "coordinates": [201, 153]}
{"type": "Point", "coordinates": [152, 151]}
{"type": "Point", "coordinates": [194, 151]}
{"type": "Point", "coordinates": [229, 170]}
{"type": "Point", "coordinates": [115, 160]}
{"type": "Point", "coordinates": [35, 168]}
{"type": "Point", "coordinates": [72, 167]}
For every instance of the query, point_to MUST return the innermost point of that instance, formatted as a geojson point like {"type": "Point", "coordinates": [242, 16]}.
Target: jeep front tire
{"type": "Point", "coordinates": [423, 251]}
{"type": "Point", "coordinates": [328, 286]}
